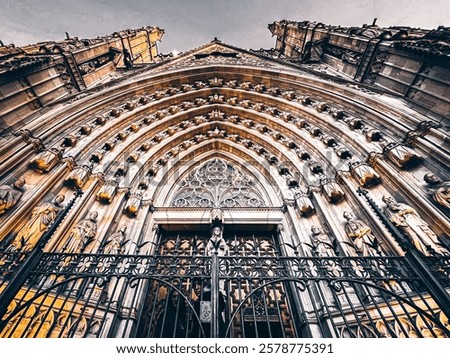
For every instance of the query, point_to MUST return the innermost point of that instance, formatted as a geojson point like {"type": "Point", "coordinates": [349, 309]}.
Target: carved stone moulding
{"type": "Point", "coordinates": [78, 176]}
{"type": "Point", "coordinates": [109, 145]}
{"type": "Point", "coordinates": [332, 190]}
{"type": "Point", "coordinates": [85, 129]}
{"type": "Point", "coordinates": [100, 120]}
{"type": "Point", "coordinates": [365, 175]}
{"type": "Point", "coordinates": [46, 160]}
{"type": "Point", "coordinates": [97, 156]}
{"type": "Point", "coordinates": [133, 204]}
{"type": "Point", "coordinates": [133, 157]}
{"type": "Point", "coordinates": [354, 123]}
{"type": "Point", "coordinates": [305, 205]}
{"type": "Point", "coordinates": [372, 134]}
{"type": "Point", "coordinates": [343, 152]}
{"type": "Point", "coordinates": [70, 141]}
{"type": "Point", "coordinates": [11, 194]}
{"type": "Point", "coordinates": [402, 156]}
{"type": "Point", "coordinates": [107, 191]}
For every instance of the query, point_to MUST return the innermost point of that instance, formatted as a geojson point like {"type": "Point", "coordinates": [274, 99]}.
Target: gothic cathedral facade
{"type": "Point", "coordinates": [301, 191]}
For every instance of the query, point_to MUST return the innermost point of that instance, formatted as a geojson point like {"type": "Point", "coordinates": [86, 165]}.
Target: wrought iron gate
{"type": "Point", "coordinates": [186, 289]}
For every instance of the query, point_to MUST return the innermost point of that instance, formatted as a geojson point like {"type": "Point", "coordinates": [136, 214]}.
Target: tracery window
{"type": "Point", "coordinates": [217, 184]}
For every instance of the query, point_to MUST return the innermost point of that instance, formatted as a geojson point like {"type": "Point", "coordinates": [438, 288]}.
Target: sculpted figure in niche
{"type": "Point", "coordinates": [321, 242]}
{"type": "Point", "coordinates": [41, 218]}
{"type": "Point", "coordinates": [10, 195]}
{"type": "Point", "coordinates": [439, 189]}
{"type": "Point", "coordinates": [116, 243]}
{"type": "Point", "coordinates": [411, 224]}
{"type": "Point", "coordinates": [217, 241]}
{"type": "Point", "coordinates": [82, 233]}
{"type": "Point", "coordinates": [361, 235]}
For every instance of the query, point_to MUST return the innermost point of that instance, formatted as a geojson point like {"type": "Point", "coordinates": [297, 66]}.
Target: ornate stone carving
{"type": "Point", "coordinates": [361, 235]}
{"type": "Point", "coordinates": [217, 216]}
{"type": "Point", "coordinates": [216, 133]}
{"type": "Point", "coordinates": [216, 115]}
{"type": "Point", "coordinates": [216, 98]}
{"type": "Point", "coordinates": [79, 176]}
{"type": "Point", "coordinates": [70, 140]}
{"type": "Point", "coordinates": [321, 242]}
{"type": "Point", "coordinates": [115, 244]}
{"type": "Point", "coordinates": [315, 167]}
{"type": "Point", "coordinates": [46, 160]}
{"type": "Point", "coordinates": [81, 234]}
{"type": "Point", "coordinates": [354, 123]}
{"type": "Point", "coordinates": [11, 194]}
{"type": "Point", "coordinates": [217, 184]}
{"type": "Point", "coordinates": [29, 138]}
{"type": "Point", "coordinates": [342, 152]}
{"type": "Point", "coordinates": [133, 204]}
{"type": "Point", "coordinates": [332, 190]}
{"type": "Point", "coordinates": [41, 218]}
{"type": "Point", "coordinates": [438, 189]}
{"type": "Point", "coordinates": [364, 174]}
{"type": "Point", "coordinates": [98, 155]}
{"type": "Point", "coordinates": [108, 191]}
{"type": "Point", "coordinates": [413, 226]}
{"type": "Point", "coordinates": [402, 156]}
{"type": "Point", "coordinates": [133, 157]}
{"type": "Point", "coordinates": [372, 134]}
{"type": "Point", "coordinates": [216, 81]}
{"type": "Point", "coordinates": [304, 204]}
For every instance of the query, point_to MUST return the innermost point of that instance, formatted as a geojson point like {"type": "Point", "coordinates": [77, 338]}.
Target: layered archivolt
{"type": "Point", "coordinates": [305, 131]}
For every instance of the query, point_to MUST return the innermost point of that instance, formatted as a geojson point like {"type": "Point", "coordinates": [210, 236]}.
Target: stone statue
{"type": "Point", "coordinates": [82, 233]}
{"type": "Point", "coordinates": [127, 59]}
{"type": "Point", "coordinates": [217, 241]}
{"type": "Point", "coordinates": [41, 218]}
{"type": "Point", "coordinates": [411, 224]}
{"type": "Point", "coordinates": [439, 190]}
{"type": "Point", "coordinates": [361, 235]}
{"type": "Point", "coordinates": [10, 195]}
{"type": "Point", "coordinates": [321, 242]}
{"type": "Point", "coordinates": [116, 243]}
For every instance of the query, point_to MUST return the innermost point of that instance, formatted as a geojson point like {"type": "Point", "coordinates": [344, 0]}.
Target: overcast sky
{"type": "Point", "coordinates": [191, 23]}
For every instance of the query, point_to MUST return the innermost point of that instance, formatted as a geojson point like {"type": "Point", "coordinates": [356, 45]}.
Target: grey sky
{"type": "Point", "coordinates": [191, 23]}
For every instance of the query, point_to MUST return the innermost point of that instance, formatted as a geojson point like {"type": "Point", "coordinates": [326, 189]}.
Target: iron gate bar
{"type": "Point", "coordinates": [19, 278]}
{"type": "Point", "coordinates": [163, 268]}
